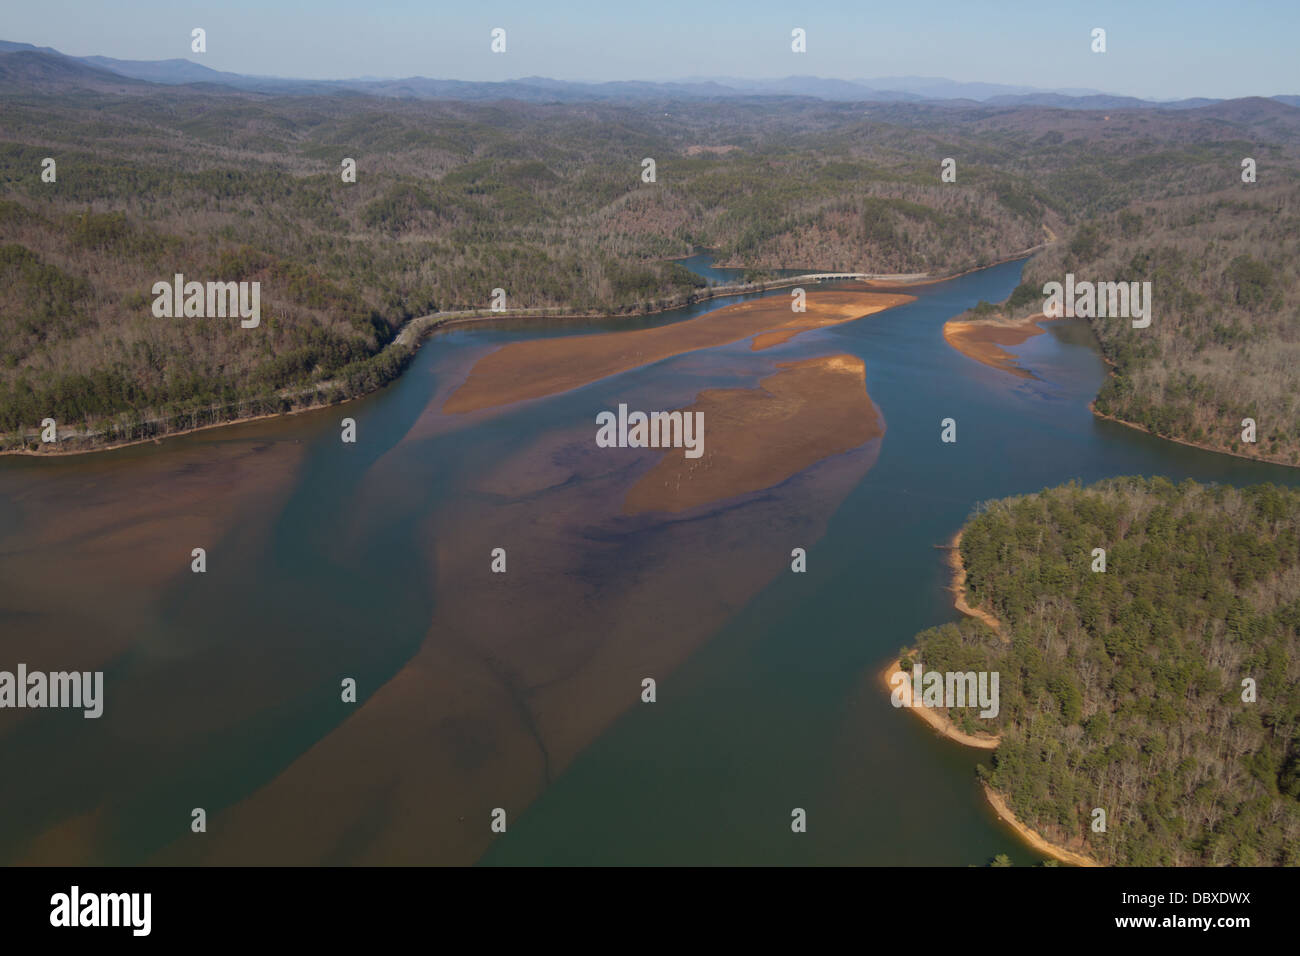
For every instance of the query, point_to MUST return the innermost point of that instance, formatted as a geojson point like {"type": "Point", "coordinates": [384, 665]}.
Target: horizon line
{"type": "Point", "coordinates": [721, 80]}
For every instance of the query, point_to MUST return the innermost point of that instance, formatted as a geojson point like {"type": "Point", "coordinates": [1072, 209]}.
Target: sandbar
{"type": "Point", "coordinates": [758, 437]}
{"type": "Point", "coordinates": [540, 367]}
{"type": "Point", "coordinates": [984, 341]}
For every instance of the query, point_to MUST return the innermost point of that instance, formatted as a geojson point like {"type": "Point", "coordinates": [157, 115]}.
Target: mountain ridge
{"type": "Point", "coordinates": [180, 72]}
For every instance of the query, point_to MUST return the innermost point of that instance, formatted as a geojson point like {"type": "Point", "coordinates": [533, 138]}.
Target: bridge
{"type": "Point", "coordinates": [416, 328]}
{"type": "Point", "coordinates": [911, 277]}
{"type": "Point", "coordinates": [836, 275]}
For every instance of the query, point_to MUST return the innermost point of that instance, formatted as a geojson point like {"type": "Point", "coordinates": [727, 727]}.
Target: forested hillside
{"type": "Point", "coordinates": [1224, 341]}
{"type": "Point", "coordinates": [453, 200]}
{"type": "Point", "coordinates": [1123, 689]}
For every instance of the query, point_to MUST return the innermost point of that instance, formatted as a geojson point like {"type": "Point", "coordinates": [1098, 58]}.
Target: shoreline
{"type": "Point", "coordinates": [963, 336]}
{"type": "Point", "coordinates": [413, 335]}
{"type": "Point", "coordinates": [910, 280]}
{"type": "Point", "coordinates": [418, 329]}
{"type": "Point", "coordinates": [958, 588]}
{"type": "Point", "coordinates": [940, 722]}
{"type": "Point", "coordinates": [905, 280]}
{"type": "Point", "coordinates": [179, 433]}
{"type": "Point", "coordinates": [934, 718]}
{"type": "Point", "coordinates": [1032, 836]}
{"type": "Point", "coordinates": [1092, 407]}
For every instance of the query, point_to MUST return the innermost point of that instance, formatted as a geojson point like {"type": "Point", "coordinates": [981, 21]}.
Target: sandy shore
{"type": "Point", "coordinates": [755, 438]}
{"type": "Point", "coordinates": [959, 589]}
{"type": "Point", "coordinates": [1033, 837]}
{"type": "Point", "coordinates": [540, 367]}
{"type": "Point", "coordinates": [985, 341]}
{"type": "Point", "coordinates": [939, 721]}
{"type": "Point", "coordinates": [936, 718]}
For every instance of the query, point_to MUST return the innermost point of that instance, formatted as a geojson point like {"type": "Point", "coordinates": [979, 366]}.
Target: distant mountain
{"type": "Point", "coordinates": [938, 88]}
{"type": "Point", "coordinates": [1262, 113]}
{"type": "Point", "coordinates": [1097, 101]}
{"type": "Point", "coordinates": [165, 71]}
{"type": "Point", "coordinates": [8, 46]}
{"type": "Point", "coordinates": [175, 72]}
{"type": "Point", "coordinates": [880, 89]}
{"type": "Point", "coordinates": [45, 68]}
{"type": "Point", "coordinates": [814, 86]}
{"type": "Point", "coordinates": [46, 73]}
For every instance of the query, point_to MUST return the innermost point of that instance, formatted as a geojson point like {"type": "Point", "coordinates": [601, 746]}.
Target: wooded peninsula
{"type": "Point", "coordinates": [1163, 690]}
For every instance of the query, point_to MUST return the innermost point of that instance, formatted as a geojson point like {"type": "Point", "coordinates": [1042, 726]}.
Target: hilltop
{"type": "Point", "coordinates": [456, 198]}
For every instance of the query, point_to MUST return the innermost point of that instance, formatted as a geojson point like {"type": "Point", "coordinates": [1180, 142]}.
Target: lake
{"type": "Point", "coordinates": [521, 691]}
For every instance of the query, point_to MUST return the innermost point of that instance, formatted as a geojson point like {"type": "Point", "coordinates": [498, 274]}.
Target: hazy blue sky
{"type": "Point", "coordinates": [1156, 48]}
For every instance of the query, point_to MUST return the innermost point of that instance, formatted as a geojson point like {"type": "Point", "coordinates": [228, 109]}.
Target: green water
{"type": "Point", "coordinates": [219, 684]}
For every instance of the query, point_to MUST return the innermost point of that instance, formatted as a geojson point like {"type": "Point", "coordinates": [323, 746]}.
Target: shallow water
{"type": "Point", "coordinates": [521, 691]}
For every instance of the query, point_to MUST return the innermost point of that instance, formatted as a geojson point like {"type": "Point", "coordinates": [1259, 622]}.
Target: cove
{"type": "Point", "coordinates": [781, 709]}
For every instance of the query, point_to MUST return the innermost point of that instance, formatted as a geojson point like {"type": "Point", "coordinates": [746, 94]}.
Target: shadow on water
{"type": "Point", "coordinates": [243, 662]}
{"type": "Point", "coordinates": [234, 674]}
{"type": "Point", "coordinates": [229, 676]}
{"type": "Point", "coordinates": [783, 709]}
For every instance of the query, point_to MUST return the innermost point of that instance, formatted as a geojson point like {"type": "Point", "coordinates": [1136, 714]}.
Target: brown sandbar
{"type": "Point", "coordinates": [539, 367]}
{"type": "Point", "coordinates": [755, 438]}
{"type": "Point", "coordinates": [984, 341]}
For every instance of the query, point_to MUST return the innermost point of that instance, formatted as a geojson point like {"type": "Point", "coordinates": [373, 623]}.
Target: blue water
{"type": "Point", "coordinates": [230, 680]}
